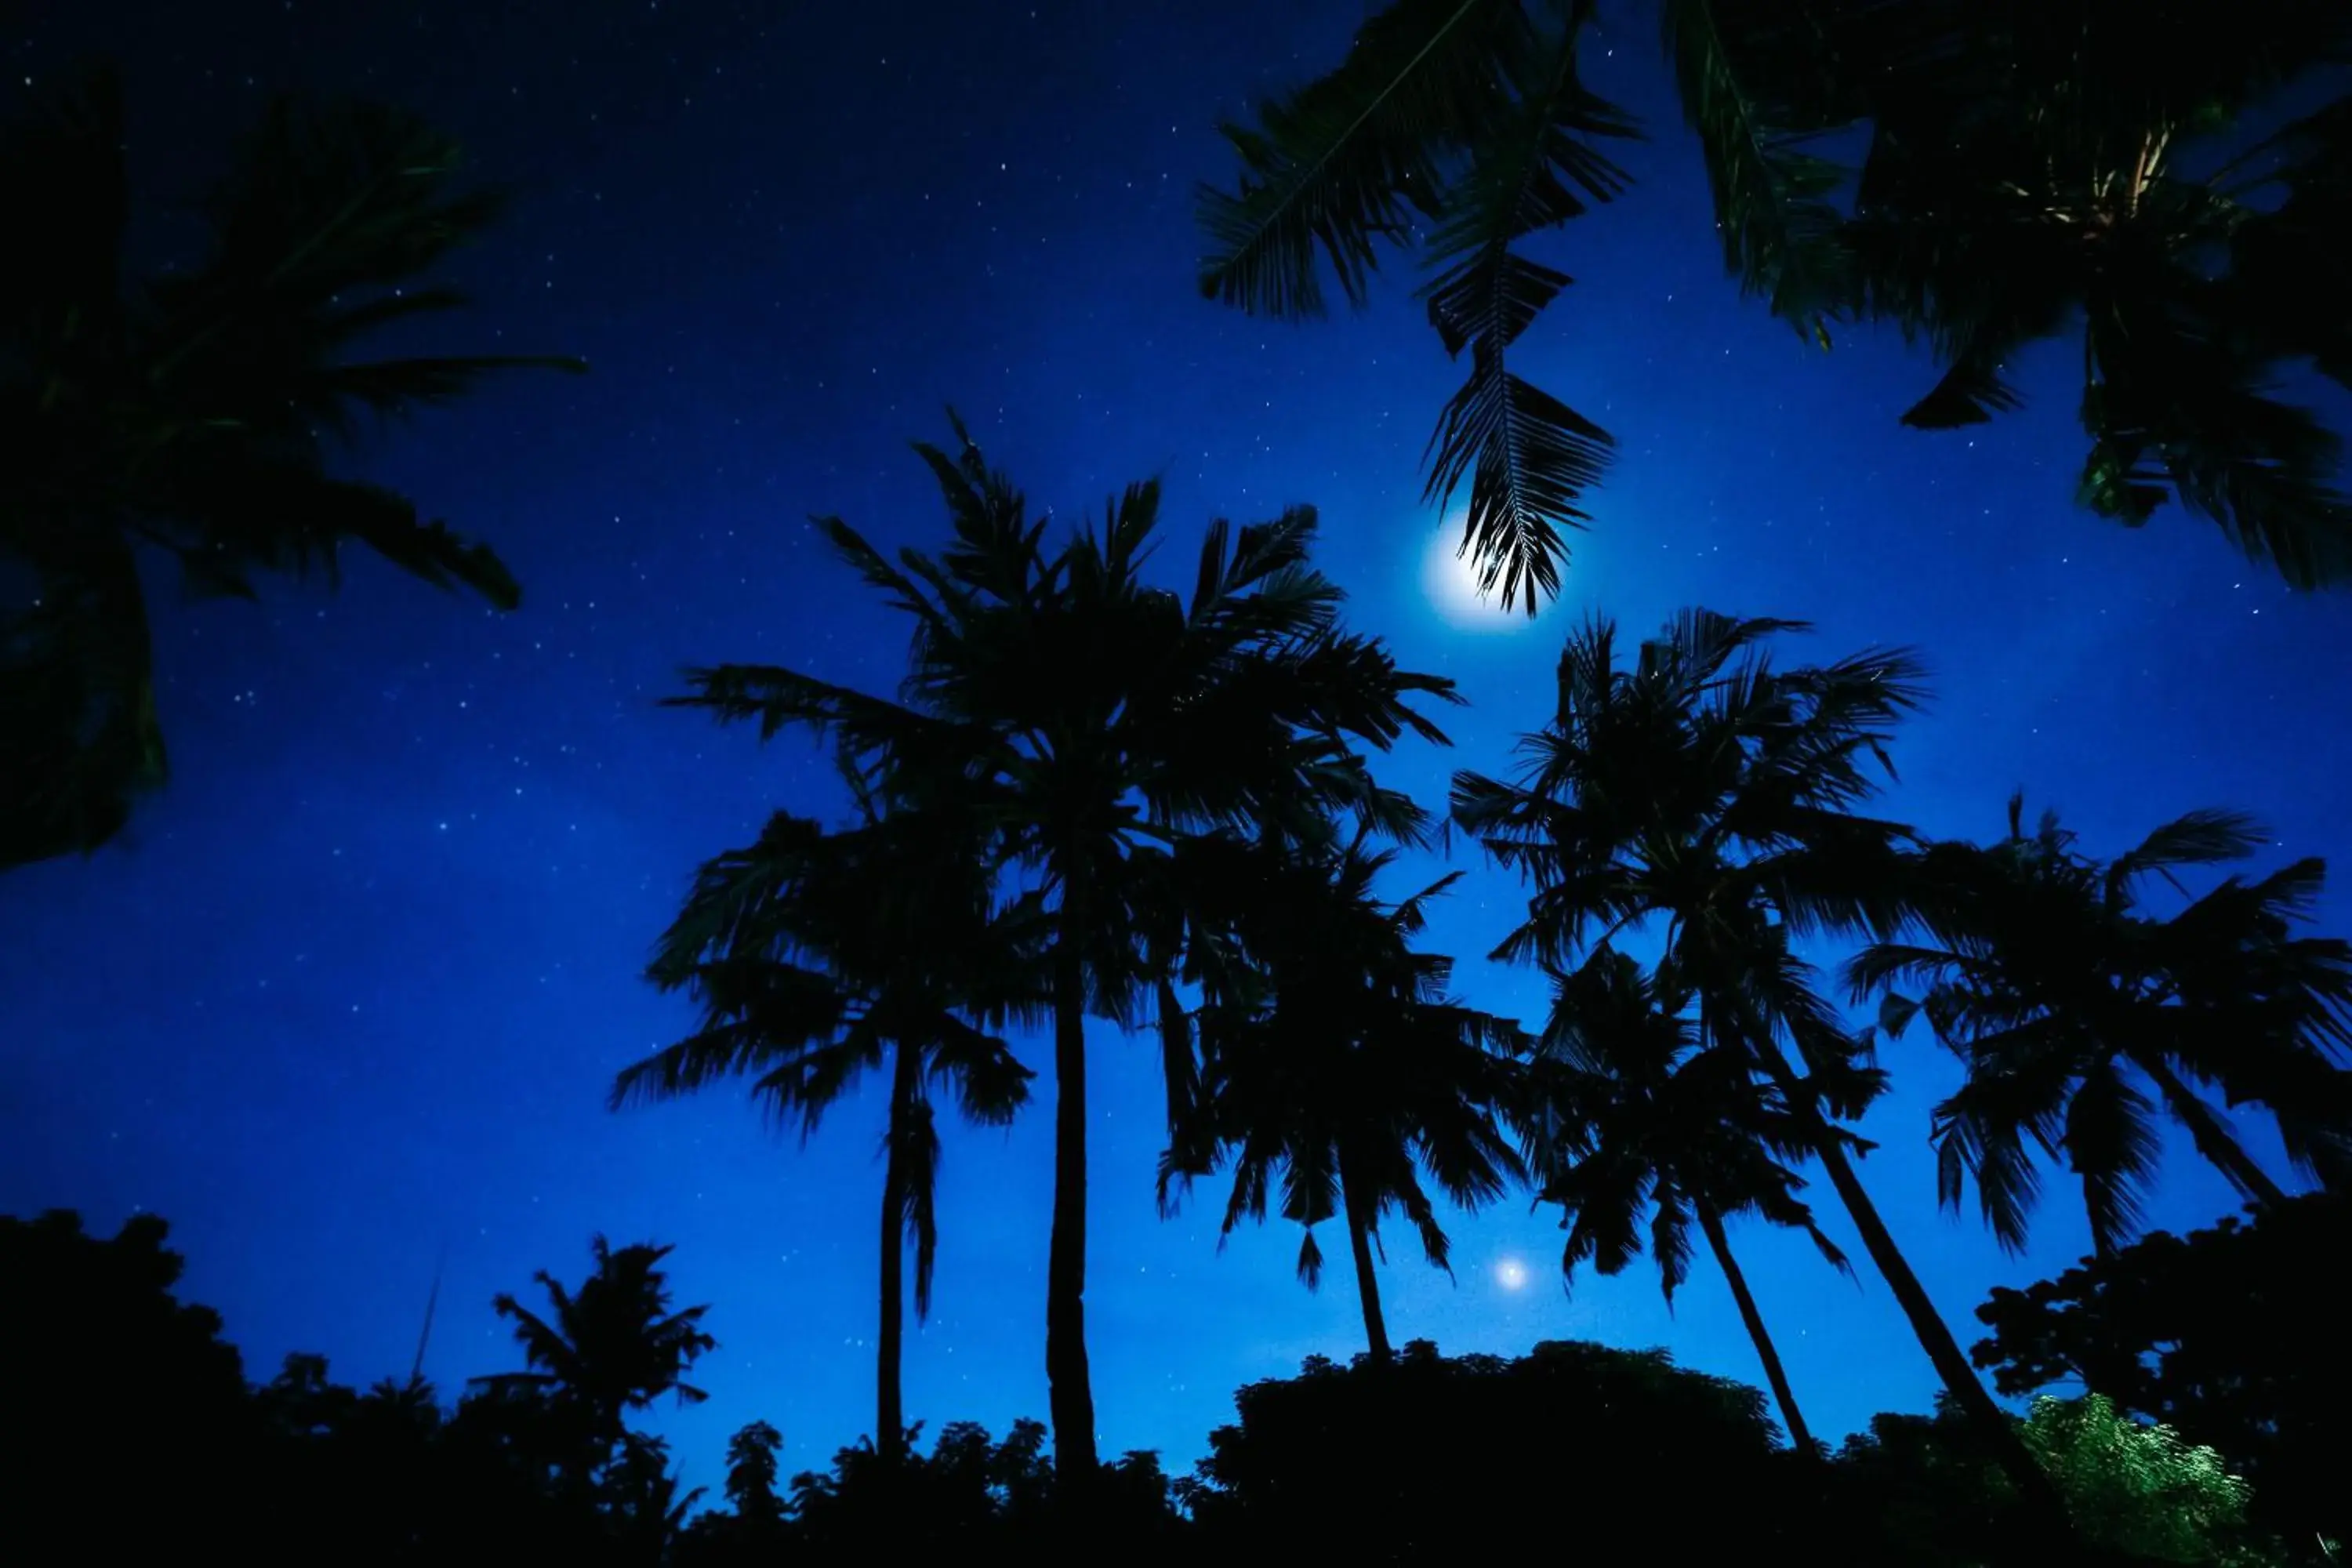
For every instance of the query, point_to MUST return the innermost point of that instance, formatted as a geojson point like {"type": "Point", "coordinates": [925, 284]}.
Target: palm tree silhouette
{"type": "Point", "coordinates": [2044, 972]}
{"type": "Point", "coordinates": [818, 957]}
{"type": "Point", "coordinates": [192, 414]}
{"type": "Point", "coordinates": [1094, 723]}
{"type": "Point", "coordinates": [1632, 1111]}
{"type": "Point", "coordinates": [1332, 1064]}
{"type": "Point", "coordinates": [1712, 794]}
{"type": "Point", "coordinates": [2024, 167]}
{"type": "Point", "coordinates": [609, 1348]}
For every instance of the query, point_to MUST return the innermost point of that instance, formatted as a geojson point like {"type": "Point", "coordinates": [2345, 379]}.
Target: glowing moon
{"type": "Point", "coordinates": [1511, 1274]}
{"type": "Point", "coordinates": [1450, 582]}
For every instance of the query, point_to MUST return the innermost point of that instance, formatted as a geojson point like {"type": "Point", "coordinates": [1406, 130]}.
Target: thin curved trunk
{"type": "Point", "coordinates": [1800, 1436]}
{"type": "Point", "coordinates": [2213, 1140]}
{"type": "Point", "coordinates": [1069, 1392]}
{"type": "Point", "coordinates": [1367, 1285]}
{"type": "Point", "coordinates": [890, 1411]}
{"type": "Point", "coordinates": [1991, 1424]}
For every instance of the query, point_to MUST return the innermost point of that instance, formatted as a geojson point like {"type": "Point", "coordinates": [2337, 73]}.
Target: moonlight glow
{"type": "Point", "coordinates": [1511, 1274]}
{"type": "Point", "coordinates": [1450, 582]}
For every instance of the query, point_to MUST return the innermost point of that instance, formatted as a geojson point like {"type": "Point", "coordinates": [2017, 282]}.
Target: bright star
{"type": "Point", "coordinates": [1511, 1274]}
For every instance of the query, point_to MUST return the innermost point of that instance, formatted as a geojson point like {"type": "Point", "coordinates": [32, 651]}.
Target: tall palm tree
{"type": "Point", "coordinates": [1332, 1063]}
{"type": "Point", "coordinates": [1633, 1110]}
{"type": "Point", "coordinates": [2046, 973]}
{"type": "Point", "coordinates": [192, 413]}
{"type": "Point", "coordinates": [611, 1347]}
{"type": "Point", "coordinates": [2026, 162]}
{"type": "Point", "coordinates": [1705, 792]}
{"type": "Point", "coordinates": [1094, 723]}
{"type": "Point", "coordinates": [816, 958]}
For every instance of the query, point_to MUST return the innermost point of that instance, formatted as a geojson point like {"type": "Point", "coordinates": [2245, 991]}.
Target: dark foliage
{"type": "Point", "coordinates": [191, 415]}
{"type": "Point", "coordinates": [2234, 1335]}
{"type": "Point", "coordinates": [1476, 1458]}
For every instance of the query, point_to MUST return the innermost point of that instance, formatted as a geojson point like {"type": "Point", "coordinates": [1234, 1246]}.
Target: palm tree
{"type": "Point", "coordinates": [192, 414]}
{"type": "Point", "coordinates": [1094, 723]}
{"type": "Point", "coordinates": [2027, 162]}
{"type": "Point", "coordinates": [1708, 792]}
{"type": "Point", "coordinates": [2044, 972]}
{"type": "Point", "coordinates": [612, 1347]}
{"type": "Point", "coordinates": [1332, 1063]}
{"type": "Point", "coordinates": [1636, 1111]}
{"type": "Point", "coordinates": [2072, 169]}
{"type": "Point", "coordinates": [818, 957]}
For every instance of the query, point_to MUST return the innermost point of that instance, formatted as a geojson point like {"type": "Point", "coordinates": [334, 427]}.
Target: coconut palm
{"type": "Point", "coordinates": [816, 958]}
{"type": "Point", "coordinates": [192, 415]}
{"type": "Point", "coordinates": [2075, 169]}
{"type": "Point", "coordinates": [2045, 971]}
{"type": "Point", "coordinates": [2028, 164]}
{"type": "Point", "coordinates": [609, 1348]}
{"type": "Point", "coordinates": [1634, 1112]}
{"type": "Point", "coordinates": [1094, 722]}
{"type": "Point", "coordinates": [1333, 1064]}
{"type": "Point", "coordinates": [1705, 792]}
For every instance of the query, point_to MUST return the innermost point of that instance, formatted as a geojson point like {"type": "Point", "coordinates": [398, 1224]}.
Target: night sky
{"type": "Point", "coordinates": [351, 990]}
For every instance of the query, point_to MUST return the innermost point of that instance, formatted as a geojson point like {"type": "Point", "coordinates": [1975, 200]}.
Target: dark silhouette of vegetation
{"type": "Point", "coordinates": [817, 957]}
{"type": "Point", "coordinates": [2027, 169]}
{"type": "Point", "coordinates": [1632, 1114]}
{"type": "Point", "coordinates": [1471, 1456]}
{"type": "Point", "coordinates": [2047, 978]}
{"type": "Point", "coordinates": [2233, 1335]}
{"type": "Point", "coordinates": [1332, 1064]}
{"type": "Point", "coordinates": [1709, 794]}
{"type": "Point", "coordinates": [192, 414]}
{"type": "Point", "coordinates": [1097, 723]}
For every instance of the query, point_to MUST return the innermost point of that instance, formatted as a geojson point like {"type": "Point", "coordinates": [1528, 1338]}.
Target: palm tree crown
{"type": "Point", "coordinates": [2046, 973]}
{"type": "Point", "coordinates": [193, 414]}
{"type": "Point", "coordinates": [611, 1347]}
{"type": "Point", "coordinates": [1333, 1064]}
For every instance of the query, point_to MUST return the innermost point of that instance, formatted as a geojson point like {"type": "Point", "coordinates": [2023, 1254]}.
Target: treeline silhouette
{"type": "Point", "coordinates": [135, 1435]}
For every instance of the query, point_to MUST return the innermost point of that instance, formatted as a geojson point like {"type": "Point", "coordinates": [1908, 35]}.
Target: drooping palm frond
{"type": "Point", "coordinates": [1343, 164]}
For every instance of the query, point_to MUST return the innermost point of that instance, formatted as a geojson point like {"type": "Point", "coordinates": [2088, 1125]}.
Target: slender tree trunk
{"type": "Point", "coordinates": [1367, 1285]}
{"type": "Point", "coordinates": [1800, 1436]}
{"type": "Point", "coordinates": [2212, 1139]}
{"type": "Point", "coordinates": [890, 1411]}
{"type": "Point", "coordinates": [1069, 1392]}
{"type": "Point", "coordinates": [2046, 1507]}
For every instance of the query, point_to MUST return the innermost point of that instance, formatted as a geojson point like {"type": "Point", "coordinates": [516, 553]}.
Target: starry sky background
{"type": "Point", "coordinates": [351, 990]}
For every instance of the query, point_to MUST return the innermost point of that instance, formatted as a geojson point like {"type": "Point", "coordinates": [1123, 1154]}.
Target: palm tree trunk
{"type": "Point", "coordinates": [2046, 1507]}
{"type": "Point", "coordinates": [2212, 1139]}
{"type": "Point", "coordinates": [890, 1411]}
{"type": "Point", "coordinates": [1800, 1436]}
{"type": "Point", "coordinates": [1367, 1285]}
{"type": "Point", "coordinates": [1070, 1398]}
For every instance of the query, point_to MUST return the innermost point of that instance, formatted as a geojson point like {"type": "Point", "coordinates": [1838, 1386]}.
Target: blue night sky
{"type": "Point", "coordinates": [351, 990]}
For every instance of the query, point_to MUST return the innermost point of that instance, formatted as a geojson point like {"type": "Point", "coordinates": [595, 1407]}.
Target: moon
{"type": "Point", "coordinates": [1450, 582]}
{"type": "Point", "coordinates": [1511, 1274]}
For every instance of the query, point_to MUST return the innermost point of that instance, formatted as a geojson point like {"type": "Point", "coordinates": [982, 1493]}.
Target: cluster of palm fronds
{"type": "Point", "coordinates": [2023, 168]}
{"type": "Point", "coordinates": [192, 413]}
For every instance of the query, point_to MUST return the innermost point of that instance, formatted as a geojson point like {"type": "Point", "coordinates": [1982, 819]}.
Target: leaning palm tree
{"type": "Point", "coordinates": [1094, 723]}
{"type": "Point", "coordinates": [2028, 164]}
{"type": "Point", "coordinates": [1333, 1064]}
{"type": "Point", "coordinates": [1709, 794]}
{"type": "Point", "coordinates": [2046, 973]}
{"type": "Point", "coordinates": [192, 415]}
{"type": "Point", "coordinates": [1633, 1111]}
{"type": "Point", "coordinates": [609, 1348]}
{"type": "Point", "coordinates": [816, 958]}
